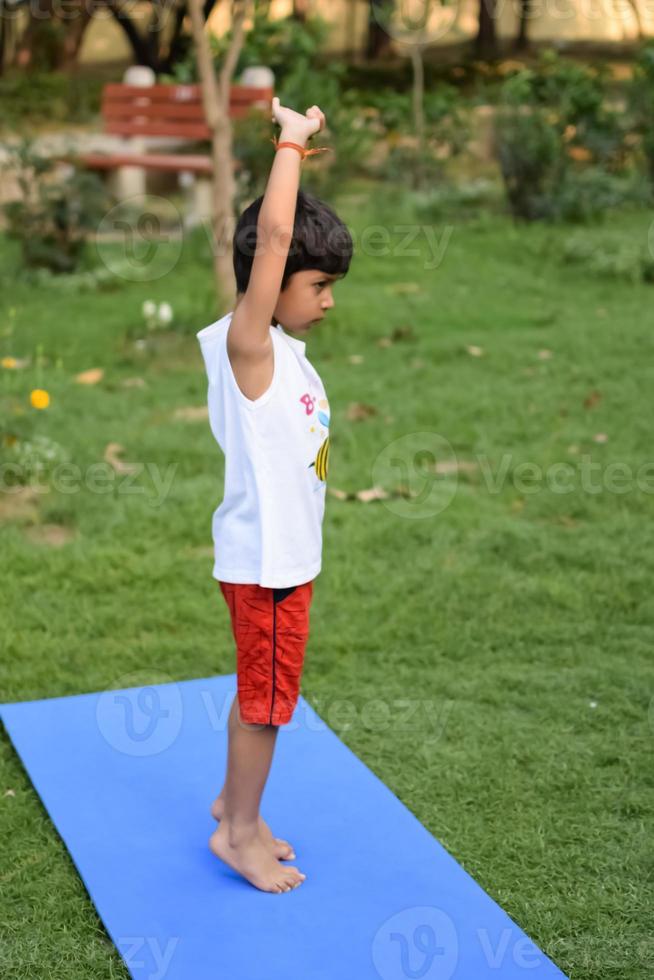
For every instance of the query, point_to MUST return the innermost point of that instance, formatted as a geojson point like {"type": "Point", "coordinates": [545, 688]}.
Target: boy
{"type": "Point", "coordinates": [269, 413]}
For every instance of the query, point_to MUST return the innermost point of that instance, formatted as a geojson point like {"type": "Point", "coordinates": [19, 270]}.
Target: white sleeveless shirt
{"type": "Point", "coordinates": [268, 528]}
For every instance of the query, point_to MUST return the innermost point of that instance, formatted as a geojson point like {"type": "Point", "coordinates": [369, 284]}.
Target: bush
{"type": "Point", "coordinates": [531, 159]}
{"type": "Point", "coordinates": [641, 104]}
{"type": "Point", "coordinates": [557, 143]}
{"type": "Point", "coordinates": [617, 258]}
{"type": "Point", "coordinates": [29, 99]}
{"type": "Point", "coordinates": [53, 218]}
{"type": "Point", "coordinates": [446, 133]}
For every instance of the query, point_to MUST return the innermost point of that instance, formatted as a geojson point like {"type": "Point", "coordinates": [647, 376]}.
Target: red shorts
{"type": "Point", "coordinates": [271, 629]}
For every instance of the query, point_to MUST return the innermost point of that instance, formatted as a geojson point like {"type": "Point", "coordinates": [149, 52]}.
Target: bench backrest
{"type": "Point", "coordinates": [171, 110]}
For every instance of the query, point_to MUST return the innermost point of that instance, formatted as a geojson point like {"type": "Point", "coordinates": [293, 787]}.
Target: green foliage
{"type": "Point", "coordinates": [611, 257]}
{"type": "Point", "coordinates": [531, 159]}
{"type": "Point", "coordinates": [641, 103]}
{"type": "Point", "coordinates": [26, 461]}
{"type": "Point", "coordinates": [553, 125]}
{"type": "Point", "coordinates": [472, 199]}
{"type": "Point", "coordinates": [53, 218]}
{"type": "Point", "coordinates": [29, 99]}
{"type": "Point", "coordinates": [280, 44]}
{"type": "Point", "coordinates": [390, 115]}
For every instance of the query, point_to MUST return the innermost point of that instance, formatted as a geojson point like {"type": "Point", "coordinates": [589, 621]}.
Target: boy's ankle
{"type": "Point", "coordinates": [240, 832]}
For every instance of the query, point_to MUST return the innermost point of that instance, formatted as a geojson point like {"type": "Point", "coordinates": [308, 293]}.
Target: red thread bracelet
{"type": "Point", "coordinates": [301, 149]}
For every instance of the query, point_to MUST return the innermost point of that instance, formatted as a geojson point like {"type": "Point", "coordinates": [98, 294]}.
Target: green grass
{"type": "Point", "coordinates": [503, 616]}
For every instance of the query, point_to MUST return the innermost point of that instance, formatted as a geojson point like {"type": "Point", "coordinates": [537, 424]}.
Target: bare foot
{"type": "Point", "coordinates": [280, 848]}
{"type": "Point", "coordinates": [253, 860]}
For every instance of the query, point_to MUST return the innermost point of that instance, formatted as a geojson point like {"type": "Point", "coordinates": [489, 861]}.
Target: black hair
{"type": "Point", "coordinates": [320, 241]}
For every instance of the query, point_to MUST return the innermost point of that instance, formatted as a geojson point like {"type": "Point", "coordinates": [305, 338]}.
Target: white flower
{"type": "Point", "coordinates": [165, 314]}
{"type": "Point", "coordinates": [149, 308]}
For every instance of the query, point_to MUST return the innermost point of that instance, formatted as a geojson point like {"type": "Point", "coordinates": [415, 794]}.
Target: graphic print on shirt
{"type": "Point", "coordinates": [321, 461]}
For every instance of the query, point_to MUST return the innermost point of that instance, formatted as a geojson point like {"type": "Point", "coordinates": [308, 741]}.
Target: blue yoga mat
{"type": "Point", "coordinates": [128, 777]}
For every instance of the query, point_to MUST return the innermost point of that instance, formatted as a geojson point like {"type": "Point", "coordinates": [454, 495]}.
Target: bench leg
{"type": "Point", "coordinates": [127, 182]}
{"type": "Point", "coordinates": [199, 199]}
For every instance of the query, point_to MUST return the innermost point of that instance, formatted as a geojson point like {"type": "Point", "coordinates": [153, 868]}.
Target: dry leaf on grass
{"type": "Point", "coordinates": [593, 399]}
{"type": "Point", "coordinates": [133, 383]}
{"type": "Point", "coordinates": [17, 503]}
{"type": "Point", "coordinates": [365, 496]}
{"type": "Point", "coordinates": [357, 411]}
{"type": "Point", "coordinates": [600, 437]}
{"type": "Point", "coordinates": [355, 359]}
{"type": "Point", "coordinates": [475, 351]}
{"type": "Point", "coordinates": [111, 457]}
{"type": "Point", "coordinates": [374, 493]}
{"type": "Point", "coordinates": [339, 494]}
{"type": "Point", "coordinates": [403, 332]}
{"type": "Point", "coordinates": [54, 535]}
{"type": "Point", "coordinates": [90, 377]}
{"type": "Point", "coordinates": [192, 413]}
{"type": "Point", "coordinates": [545, 354]}
{"type": "Point", "coordinates": [453, 466]}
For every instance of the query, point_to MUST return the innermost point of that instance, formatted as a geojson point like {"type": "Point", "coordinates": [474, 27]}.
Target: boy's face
{"type": "Point", "coordinates": [306, 299]}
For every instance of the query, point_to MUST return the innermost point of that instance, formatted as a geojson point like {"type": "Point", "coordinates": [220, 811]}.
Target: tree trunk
{"type": "Point", "coordinates": [141, 50]}
{"type": "Point", "coordinates": [419, 111]}
{"type": "Point", "coordinates": [379, 41]}
{"type": "Point", "coordinates": [521, 42]}
{"type": "Point", "coordinates": [486, 47]}
{"type": "Point", "coordinates": [633, 4]}
{"type": "Point", "coordinates": [74, 35]}
{"type": "Point", "coordinates": [39, 14]}
{"type": "Point", "coordinates": [215, 98]}
{"type": "Point", "coordinates": [300, 9]}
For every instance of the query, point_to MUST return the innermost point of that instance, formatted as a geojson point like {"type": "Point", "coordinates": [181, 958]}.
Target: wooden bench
{"type": "Point", "coordinates": [175, 111]}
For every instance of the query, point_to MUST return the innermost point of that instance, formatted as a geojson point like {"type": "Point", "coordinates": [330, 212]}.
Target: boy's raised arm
{"type": "Point", "coordinates": [249, 329]}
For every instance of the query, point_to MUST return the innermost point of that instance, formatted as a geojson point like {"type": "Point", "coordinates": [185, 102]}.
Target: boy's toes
{"type": "Point", "coordinates": [286, 852]}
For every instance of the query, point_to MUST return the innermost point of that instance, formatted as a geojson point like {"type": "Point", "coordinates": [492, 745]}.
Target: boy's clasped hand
{"type": "Point", "coordinates": [296, 126]}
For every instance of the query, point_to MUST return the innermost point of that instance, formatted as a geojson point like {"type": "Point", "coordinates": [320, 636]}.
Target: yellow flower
{"type": "Point", "coordinates": [8, 362]}
{"type": "Point", "coordinates": [39, 398]}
